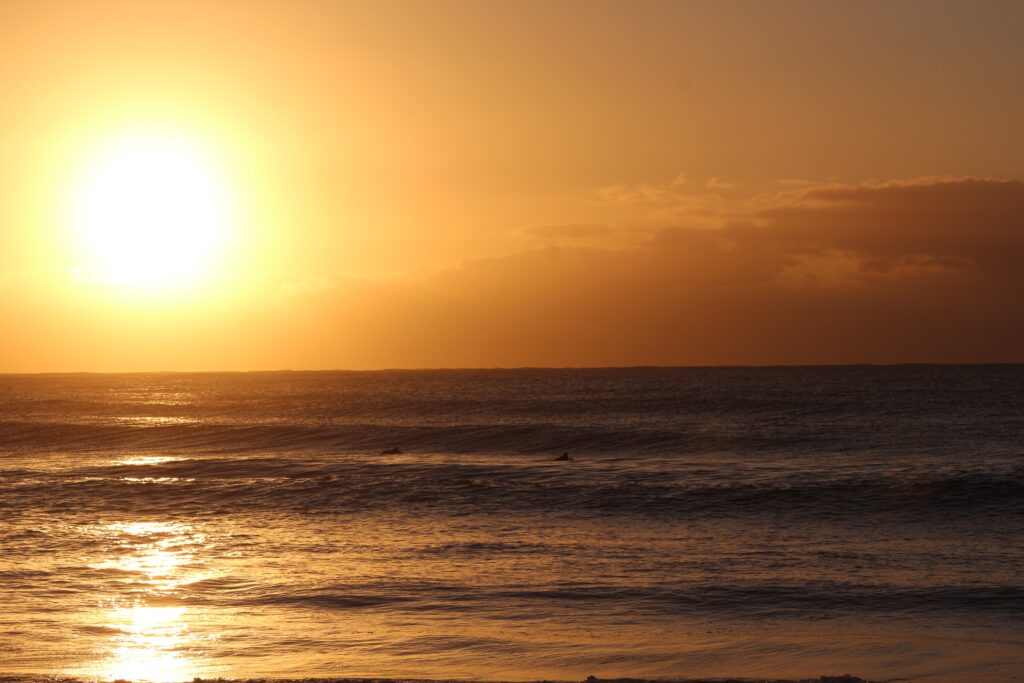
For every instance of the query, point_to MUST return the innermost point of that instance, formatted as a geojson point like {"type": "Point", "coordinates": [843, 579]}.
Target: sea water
{"type": "Point", "coordinates": [779, 522]}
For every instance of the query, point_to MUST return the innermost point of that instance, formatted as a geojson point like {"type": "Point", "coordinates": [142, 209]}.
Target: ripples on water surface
{"type": "Point", "coordinates": [772, 522]}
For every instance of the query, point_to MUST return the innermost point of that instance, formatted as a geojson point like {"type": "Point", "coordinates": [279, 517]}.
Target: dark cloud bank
{"type": "Point", "coordinates": [924, 271]}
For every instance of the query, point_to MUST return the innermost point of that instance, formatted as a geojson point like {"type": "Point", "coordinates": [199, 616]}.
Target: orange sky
{"type": "Point", "coordinates": [527, 183]}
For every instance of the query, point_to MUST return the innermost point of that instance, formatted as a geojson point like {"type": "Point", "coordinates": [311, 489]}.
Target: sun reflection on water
{"type": "Point", "coordinates": [152, 639]}
{"type": "Point", "coordinates": [150, 645]}
{"type": "Point", "coordinates": [146, 460]}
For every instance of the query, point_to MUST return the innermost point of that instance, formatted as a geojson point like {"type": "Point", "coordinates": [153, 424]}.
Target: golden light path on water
{"type": "Point", "coordinates": [151, 641]}
{"type": "Point", "coordinates": [149, 648]}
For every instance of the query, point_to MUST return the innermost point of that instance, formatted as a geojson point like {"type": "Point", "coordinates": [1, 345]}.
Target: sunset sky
{"type": "Point", "coordinates": [314, 184]}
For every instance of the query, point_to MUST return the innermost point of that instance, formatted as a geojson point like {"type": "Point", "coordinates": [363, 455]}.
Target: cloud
{"type": "Point", "coordinates": [903, 271]}
{"type": "Point", "coordinates": [568, 232]}
{"type": "Point", "coordinates": [719, 184]}
{"type": "Point", "coordinates": [969, 223]}
{"type": "Point", "coordinates": [583, 235]}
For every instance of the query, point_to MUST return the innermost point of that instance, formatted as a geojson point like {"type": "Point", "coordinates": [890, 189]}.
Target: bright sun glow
{"type": "Point", "coordinates": [151, 211]}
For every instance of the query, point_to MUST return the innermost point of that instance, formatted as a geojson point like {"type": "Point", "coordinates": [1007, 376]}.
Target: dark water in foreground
{"type": "Point", "coordinates": [754, 522]}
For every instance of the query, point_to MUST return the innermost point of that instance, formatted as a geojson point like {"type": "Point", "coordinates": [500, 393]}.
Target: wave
{"type": "Point", "coordinates": [486, 438]}
{"type": "Point", "coordinates": [447, 486]}
{"type": "Point", "coordinates": [182, 436]}
{"type": "Point", "coordinates": [765, 600]}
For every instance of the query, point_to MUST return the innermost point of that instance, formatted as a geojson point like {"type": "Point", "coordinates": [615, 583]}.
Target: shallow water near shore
{"type": "Point", "coordinates": [778, 522]}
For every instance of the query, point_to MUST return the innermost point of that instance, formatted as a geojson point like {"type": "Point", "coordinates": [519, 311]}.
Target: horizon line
{"type": "Point", "coordinates": [515, 368]}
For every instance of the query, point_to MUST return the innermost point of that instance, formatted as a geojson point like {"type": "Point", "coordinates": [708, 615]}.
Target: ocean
{"type": "Point", "coordinates": [755, 522]}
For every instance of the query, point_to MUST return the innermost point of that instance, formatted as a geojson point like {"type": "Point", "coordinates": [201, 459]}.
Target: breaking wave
{"type": "Point", "coordinates": [656, 487]}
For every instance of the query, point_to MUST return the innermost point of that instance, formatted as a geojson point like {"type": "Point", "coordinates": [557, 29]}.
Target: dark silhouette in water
{"type": "Point", "coordinates": [565, 457]}
{"type": "Point", "coordinates": [392, 451]}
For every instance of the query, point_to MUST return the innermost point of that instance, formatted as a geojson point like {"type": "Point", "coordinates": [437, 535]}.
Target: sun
{"type": "Point", "coordinates": [151, 211]}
